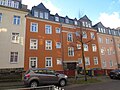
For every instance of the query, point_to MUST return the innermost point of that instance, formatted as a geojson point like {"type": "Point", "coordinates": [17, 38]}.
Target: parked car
{"type": "Point", "coordinates": [114, 74]}
{"type": "Point", "coordinates": [37, 76]}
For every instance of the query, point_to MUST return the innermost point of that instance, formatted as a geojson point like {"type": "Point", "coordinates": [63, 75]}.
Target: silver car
{"type": "Point", "coordinates": [37, 76]}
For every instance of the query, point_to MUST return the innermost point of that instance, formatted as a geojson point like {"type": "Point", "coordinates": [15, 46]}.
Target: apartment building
{"type": "Point", "coordinates": [12, 34]}
{"type": "Point", "coordinates": [54, 42]}
{"type": "Point", "coordinates": [108, 42]}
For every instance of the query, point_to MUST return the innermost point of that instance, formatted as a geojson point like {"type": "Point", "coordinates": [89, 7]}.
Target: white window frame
{"type": "Point", "coordinates": [58, 44]}
{"type": "Point", "coordinates": [58, 30]}
{"type": "Point", "coordinates": [109, 51]}
{"type": "Point", "coordinates": [85, 47]}
{"type": "Point", "coordinates": [34, 61]}
{"type": "Point", "coordinates": [48, 29]}
{"type": "Point", "coordinates": [84, 34]}
{"type": "Point", "coordinates": [92, 34]}
{"type": "Point", "coordinates": [41, 14]}
{"type": "Point", "coordinates": [94, 47]}
{"type": "Point", "coordinates": [111, 63]}
{"type": "Point", "coordinates": [33, 45]}
{"type": "Point", "coordinates": [70, 37]}
{"type": "Point", "coordinates": [56, 19]}
{"type": "Point", "coordinates": [46, 15]}
{"type": "Point", "coordinates": [36, 13]}
{"type": "Point", "coordinates": [87, 61]}
{"type": "Point", "coordinates": [34, 27]}
{"type": "Point", "coordinates": [107, 41]}
{"type": "Point", "coordinates": [79, 60]}
{"type": "Point", "coordinates": [48, 44]}
{"type": "Point", "coordinates": [70, 51]}
{"type": "Point", "coordinates": [78, 46]}
{"type": "Point", "coordinates": [75, 22]}
{"type": "Point", "coordinates": [59, 61]}
{"type": "Point", "coordinates": [102, 51]}
{"type": "Point", "coordinates": [16, 20]}
{"type": "Point", "coordinates": [66, 20]}
{"type": "Point", "coordinates": [15, 37]}
{"type": "Point", "coordinates": [100, 40]}
{"type": "Point", "coordinates": [48, 63]}
{"type": "Point", "coordinates": [14, 57]}
{"type": "Point", "coordinates": [95, 60]}
{"type": "Point", "coordinates": [104, 63]}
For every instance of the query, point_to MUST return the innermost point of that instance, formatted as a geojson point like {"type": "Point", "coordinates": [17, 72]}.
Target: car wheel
{"type": "Point", "coordinates": [34, 84]}
{"type": "Point", "coordinates": [62, 83]}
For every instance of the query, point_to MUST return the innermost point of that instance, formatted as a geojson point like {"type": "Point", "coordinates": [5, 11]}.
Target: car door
{"type": "Point", "coordinates": [51, 77]}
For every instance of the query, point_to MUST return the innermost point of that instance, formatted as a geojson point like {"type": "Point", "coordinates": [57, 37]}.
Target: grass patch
{"type": "Point", "coordinates": [82, 81]}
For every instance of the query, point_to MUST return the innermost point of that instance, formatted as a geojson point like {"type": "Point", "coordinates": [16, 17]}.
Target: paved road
{"type": "Point", "coordinates": [107, 85]}
{"type": "Point", "coordinates": [111, 85]}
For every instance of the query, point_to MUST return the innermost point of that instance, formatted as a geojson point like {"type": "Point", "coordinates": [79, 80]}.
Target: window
{"type": "Point", "coordinates": [89, 25]}
{"type": "Point", "coordinates": [109, 51]}
{"type": "Point", "coordinates": [15, 37]}
{"type": "Point", "coordinates": [57, 19]}
{"type": "Point", "coordinates": [33, 62]}
{"type": "Point", "coordinates": [103, 51]}
{"type": "Point", "coordinates": [78, 46]}
{"type": "Point", "coordinates": [84, 34]}
{"type": "Point", "coordinates": [92, 35]}
{"type": "Point", "coordinates": [67, 20]}
{"type": "Point", "coordinates": [58, 30]}
{"type": "Point", "coordinates": [16, 20]}
{"type": "Point", "coordinates": [83, 23]}
{"type": "Point", "coordinates": [111, 63]}
{"type": "Point", "coordinates": [35, 13]}
{"type": "Point", "coordinates": [14, 57]}
{"type": "Point", "coordinates": [104, 63]}
{"type": "Point", "coordinates": [95, 60]}
{"type": "Point", "coordinates": [87, 61]}
{"type": "Point", "coordinates": [59, 61]}
{"type": "Point", "coordinates": [75, 22]}
{"type": "Point", "coordinates": [41, 14]}
{"type": "Point", "coordinates": [48, 62]}
{"type": "Point", "coordinates": [86, 24]}
{"type": "Point", "coordinates": [100, 40]}
{"type": "Point", "coordinates": [48, 45]}
{"type": "Point", "coordinates": [33, 44]}
{"type": "Point", "coordinates": [0, 17]}
{"type": "Point", "coordinates": [69, 37]}
{"type": "Point", "coordinates": [107, 41]}
{"type": "Point", "coordinates": [34, 27]}
{"type": "Point", "coordinates": [70, 51]}
{"type": "Point", "coordinates": [48, 29]}
{"type": "Point", "coordinates": [79, 60]}
{"type": "Point", "coordinates": [46, 15]}
{"type": "Point", "coordinates": [58, 45]}
{"type": "Point", "coordinates": [94, 48]}
{"type": "Point", "coordinates": [85, 47]}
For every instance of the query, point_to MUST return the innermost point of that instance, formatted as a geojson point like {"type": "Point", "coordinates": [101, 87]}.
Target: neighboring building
{"type": "Point", "coordinates": [108, 49]}
{"type": "Point", "coordinates": [12, 34]}
{"type": "Point", "coordinates": [53, 41]}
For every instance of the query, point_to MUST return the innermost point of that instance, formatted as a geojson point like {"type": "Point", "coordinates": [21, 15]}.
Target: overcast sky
{"type": "Point", "coordinates": [105, 11]}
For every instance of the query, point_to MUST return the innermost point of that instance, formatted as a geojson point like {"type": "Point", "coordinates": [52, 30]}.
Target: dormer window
{"type": "Point", "coordinates": [86, 24]}
{"type": "Point", "coordinates": [57, 19]}
{"type": "Point", "coordinates": [41, 14]}
{"type": "Point", "coordinates": [89, 25]}
{"type": "Point", "coordinates": [109, 31]}
{"type": "Point", "coordinates": [67, 20]}
{"type": "Point", "coordinates": [83, 23]}
{"type": "Point", "coordinates": [35, 13]}
{"type": "Point", "coordinates": [75, 22]}
{"type": "Point", "coordinates": [46, 15]}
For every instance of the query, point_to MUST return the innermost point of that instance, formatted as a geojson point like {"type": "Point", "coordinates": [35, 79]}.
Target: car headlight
{"type": "Point", "coordinates": [66, 76]}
